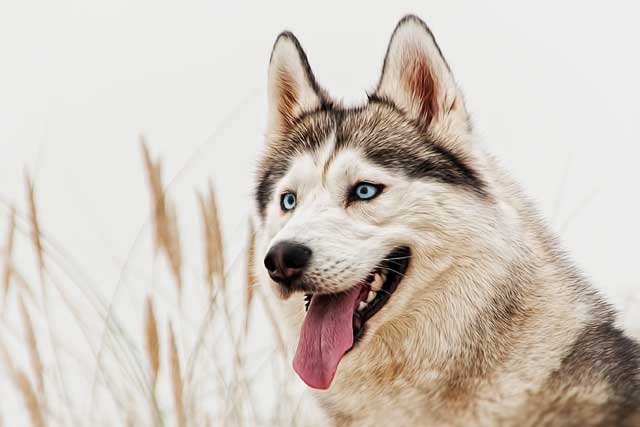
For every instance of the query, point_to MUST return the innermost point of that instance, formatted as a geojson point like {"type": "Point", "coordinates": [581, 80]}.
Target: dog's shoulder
{"type": "Point", "coordinates": [598, 381]}
{"type": "Point", "coordinates": [603, 351]}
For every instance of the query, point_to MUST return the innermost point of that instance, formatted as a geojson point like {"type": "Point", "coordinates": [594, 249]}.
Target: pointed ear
{"type": "Point", "coordinates": [292, 88]}
{"type": "Point", "coordinates": [417, 79]}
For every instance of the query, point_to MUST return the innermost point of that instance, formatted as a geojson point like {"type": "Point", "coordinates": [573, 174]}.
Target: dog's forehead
{"type": "Point", "coordinates": [308, 167]}
{"type": "Point", "coordinates": [366, 127]}
{"type": "Point", "coordinates": [377, 130]}
{"type": "Point", "coordinates": [320, 133]}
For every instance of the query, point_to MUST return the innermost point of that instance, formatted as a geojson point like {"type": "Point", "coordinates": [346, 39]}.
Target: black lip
{"type": "Point", "coordinates": [395, 264]}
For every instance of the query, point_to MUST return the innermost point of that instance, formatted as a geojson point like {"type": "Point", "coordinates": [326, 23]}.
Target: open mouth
{"type": "Point", "coordinates": [335, 322]}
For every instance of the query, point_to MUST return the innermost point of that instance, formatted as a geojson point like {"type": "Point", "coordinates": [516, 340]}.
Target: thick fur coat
{"type": "Point", "coordinates": [491, 323]}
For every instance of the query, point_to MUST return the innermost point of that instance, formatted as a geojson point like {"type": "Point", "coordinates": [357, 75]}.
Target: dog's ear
{"type": "Point", "coordinates": [292, 88]}
{"type": "Point", "coordinates": [416, 78]}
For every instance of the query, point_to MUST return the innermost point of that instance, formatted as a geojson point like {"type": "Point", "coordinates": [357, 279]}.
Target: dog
{"type": "Point", "coordinates": [418, 284]}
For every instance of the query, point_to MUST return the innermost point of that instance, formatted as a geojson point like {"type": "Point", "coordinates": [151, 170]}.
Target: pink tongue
{"type": "Point", "coordinates": [327, 334]}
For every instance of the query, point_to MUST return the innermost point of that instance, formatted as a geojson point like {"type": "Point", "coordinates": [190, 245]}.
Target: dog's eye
{"type": "Point", "coordinates": [365, 191]}
{"type": "Point", "coordinates": [288, 201]}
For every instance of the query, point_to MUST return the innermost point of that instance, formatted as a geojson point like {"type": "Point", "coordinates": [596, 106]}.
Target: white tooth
{"type": "Point", "coordinates": [376, 285]}
{"type": "Point", "coordinates": [362, 305]}
{"type": "Point", "coordinates": [371, 296]}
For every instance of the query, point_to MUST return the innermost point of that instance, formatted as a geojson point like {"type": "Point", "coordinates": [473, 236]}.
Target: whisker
{"type": "Point", "coordinates": [383, 291]}
{"type": "Point", "coordinates": [392, 270]}
{"type": "Point", "coordinates": [396, 258]}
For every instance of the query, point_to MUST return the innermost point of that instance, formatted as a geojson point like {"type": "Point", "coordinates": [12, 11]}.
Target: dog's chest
{"type": "Point", "coordinates": [405, 401]}
{"type": "Point", "coordinates": [364, 403]}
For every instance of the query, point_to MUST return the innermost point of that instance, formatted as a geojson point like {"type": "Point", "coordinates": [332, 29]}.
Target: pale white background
{"type": "Point", "coordinates": [553, 88]}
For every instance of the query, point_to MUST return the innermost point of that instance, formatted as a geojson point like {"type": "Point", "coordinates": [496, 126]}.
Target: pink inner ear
{"type": "Point", "coordinates": [287, 100]}
{"type": "Point", "coordinates": [422, 85]}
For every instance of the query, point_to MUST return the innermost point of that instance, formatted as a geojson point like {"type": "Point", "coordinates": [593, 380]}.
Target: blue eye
{"type": "Point", "coordinates": [366, 191]}
{"type": "Point", "coordinates": [288, 201]}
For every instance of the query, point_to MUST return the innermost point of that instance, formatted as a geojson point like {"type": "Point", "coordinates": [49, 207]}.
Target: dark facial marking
{"type": "Point", "coordinates": [391, 140]}
{"type": "Point", "coordinates": [306, 136]}
{"type": "Point", "coordinates": [436, 163]}
{"type": "Point", "coordinates": [382, 133]}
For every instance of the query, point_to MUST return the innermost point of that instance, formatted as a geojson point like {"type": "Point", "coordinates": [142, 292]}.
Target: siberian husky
{"type": "Point", "coordinates": [419, 285]}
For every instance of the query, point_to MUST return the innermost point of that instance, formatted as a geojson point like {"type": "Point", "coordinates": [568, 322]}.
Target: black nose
{"type": "Point", "coordinates": [286, 261]}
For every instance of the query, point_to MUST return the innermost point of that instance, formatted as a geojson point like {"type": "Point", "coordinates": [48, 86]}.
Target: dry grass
{"type": "Point", "coordinates": [153, 343]}
{"type": "Point", "coordinates": [84, 365]}
{"type": "Point", "coordinates": [250, 281]}
{"type": "Point", "coordinates": [8, 265]}
{"type": "Point", "coordinates": [35, 228]}
{"type": "Point", "coordinates": [34, 408]}
{"type": "Point", "coordinates": [165, 218]}
{"type": "Point", "coordinates": [176, 378]}
{"type": "Point", "coordinates": [32, 345]}
{"type": "Point", "coordinates": [214, 254]}
{"type": "Point", "coordinates": [8, 256]}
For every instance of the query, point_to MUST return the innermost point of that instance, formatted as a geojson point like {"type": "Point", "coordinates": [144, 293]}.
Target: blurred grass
{"type": "Point", "coordinates": [74, 359]}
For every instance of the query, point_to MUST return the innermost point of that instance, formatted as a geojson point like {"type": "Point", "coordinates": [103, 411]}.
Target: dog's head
{"type": "Point", "coordinates": [360, 208]}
